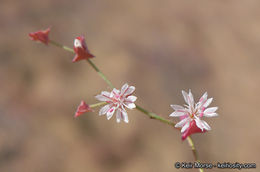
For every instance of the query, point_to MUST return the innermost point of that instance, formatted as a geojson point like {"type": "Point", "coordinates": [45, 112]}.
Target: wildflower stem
{"type": "Point", "coordinates": [154, 116]}
{"type": "Point", "coordinates": [194, 151]}
{"type": "Point", "coordinates": [100, 73]}
{"type": "Point", "coordinates": [61, 46]}
{"type": "Point", "coordinates": [88, 60]}
{"type": "Point", "coordinates": [150, 114]}
{"type": "Point", "coordinates": [97, 104]}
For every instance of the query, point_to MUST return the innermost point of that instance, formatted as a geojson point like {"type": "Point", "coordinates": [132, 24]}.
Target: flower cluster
{"type": "Point", "coordinates": [118, 100]}
{"type": "Point", "coordinates": [190, 115]}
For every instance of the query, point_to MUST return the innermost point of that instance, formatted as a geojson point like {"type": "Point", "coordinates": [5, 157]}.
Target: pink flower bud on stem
{"type": "Point", "coordinates": [42, 36]}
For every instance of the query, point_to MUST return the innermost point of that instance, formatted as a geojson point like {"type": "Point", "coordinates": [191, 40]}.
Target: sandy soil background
{"type": "Point", "coordinates": [161, 47]}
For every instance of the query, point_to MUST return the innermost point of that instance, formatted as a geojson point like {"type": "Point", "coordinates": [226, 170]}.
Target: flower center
{"type": "Point", "coordinates": [193, 113]}
{"type": "Point", "coordinates": [117, 100]}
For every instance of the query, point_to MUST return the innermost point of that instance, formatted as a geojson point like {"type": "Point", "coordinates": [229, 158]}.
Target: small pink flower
{"type": "Point", "coordinates": [190, 115]}
{"type": "Point", "coordinates": [82, 108]}
{"type": "Point", "coordinates": [42, 36]}
{"type": "Point", "coordinates": [81, 50]}
{"type": "Point", "coordinates": [117, 101]}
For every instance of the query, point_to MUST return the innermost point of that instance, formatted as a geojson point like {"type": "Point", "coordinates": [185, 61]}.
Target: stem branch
{"type": "Point", "coordinates": [149, 114]}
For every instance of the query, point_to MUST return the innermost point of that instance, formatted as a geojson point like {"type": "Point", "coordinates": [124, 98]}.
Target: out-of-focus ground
{"type": "Point", "coordinates": [161, 47]}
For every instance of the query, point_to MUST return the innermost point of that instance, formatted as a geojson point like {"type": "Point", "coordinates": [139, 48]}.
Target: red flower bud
{"type": "Point", "coordinates": [81, 50]}
{"type": "Point", "coordinates": [42, 36]}
{"type": "Point", "coordinates": [82, 108]}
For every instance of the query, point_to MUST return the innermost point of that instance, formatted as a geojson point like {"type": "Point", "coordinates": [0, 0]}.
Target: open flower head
{"type": "Point", "coordinates": [82, 108]}
{"type": "Point", "coordinates": [117, 101]}
{"type": "Point", "coordinates": [191, 114]}
{"type": "Point", "coordinates": [81, 49]}
{"type": "Point", "coordinates": [42, 36]}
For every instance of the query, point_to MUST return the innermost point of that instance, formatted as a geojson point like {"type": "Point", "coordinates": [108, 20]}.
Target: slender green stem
{"type": "Point", "coordinates": [88, 60]}
{"type": "Point", "coordinates": [191, 144]}
{"type": "Point", "coordinates": [97, 104]}
{"type": "Point", "coordinates": [100, 73]}
{"type": "Point", "coordinates": [154, 116]}
{"type": "Point", "coordinates": [61, 46]}
{"type": "Point", "coordinates": [149, 114]}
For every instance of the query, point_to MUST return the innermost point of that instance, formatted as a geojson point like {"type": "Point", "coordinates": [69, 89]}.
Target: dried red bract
{"type": "Point", "coordinates": [82, 108]}
{"type": "Point", "coordinates": [191, 130]}
{"type": "Point", "coordinates": [81, 50]}
{"type": "Point", "coordinates": [42, 36]}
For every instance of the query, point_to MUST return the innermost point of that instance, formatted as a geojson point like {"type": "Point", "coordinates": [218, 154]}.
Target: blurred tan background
{"type": "Point", "coordinates": [161, 47]}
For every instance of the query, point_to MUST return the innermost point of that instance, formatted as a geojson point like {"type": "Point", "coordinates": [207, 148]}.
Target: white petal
{"type": "Point", "coordinates": [199, 123]}
{"type": "Point", "coordinates": [110, 112]}
{"type": "Point", "coordinates": [77, 43]}
{"type": "Point", "coordinates": [122, 108]}
{"type": "Point", "coordinates": [125, 116]}
{"type": "Point", "coordinates": [210, 114]}
{"type": "Point", "coordinates": [210, 110]}
{"type": "Point", "coordinates": [204, 97]}
{"type": "Point", "coordinates": [102, 98]}
{"type": "Point", "coordinates": [191, 99]}
{"type": "Point", "coordinates": [124, 87]}
{"type": "Point", "coordinates": [129, 90]}
{"type": "Point", "coordinates": [177, 107]}
{"type": "Point", "coordinates": [205, 125]}
{"type": "Point", "coordinates": [121, 115]}
{"type": "Point", "coordinates": [185, 96]}
{"type": "Point", "coordinates": [183, 122]}
{"type": "Point", "coordinates": [118, 115]}
{"type": "Point", "coordinates": [202, 100]}
{"type": "Point", "coordinates": [131, 99]}
{"type": "Point", "coordinates": [105, 93]}
{"type": "Point", "coordinates": [177, 114]}
{"type": "Point", "coordinates": [207, 103]}
{"type": "Point", "coordinates": [198, 105]}
{"type": "Point", "coordinates": [114, 92]}
{"type": "Point", "coordinates": [184, 128]}
{"type": "Point", "coordinates": [130, 105]}
{"type": "Point", "coordinates": [104, 110]}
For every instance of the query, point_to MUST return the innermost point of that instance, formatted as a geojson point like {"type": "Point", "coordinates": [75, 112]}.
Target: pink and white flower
{"type": "Point", "coordinates": [191, 114]}
{"type": "Point", "coordinates": [117, 101]}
